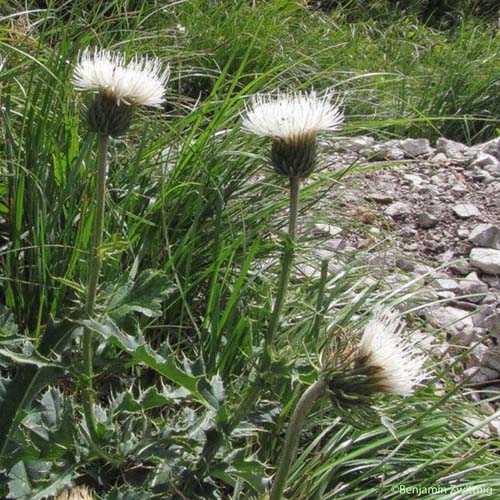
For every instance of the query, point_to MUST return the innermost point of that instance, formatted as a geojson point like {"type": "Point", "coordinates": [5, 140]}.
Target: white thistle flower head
{"type": "Point", "coordinates": [119, 86]}
{"type": "Point", "coordinates": [78, 493]}
{"type": "Point", "coordinates": [292, 120]}
{"type": "Point", "coordinates": [393, 361]}
{"type": "Point", "coordinates": [139, 82]}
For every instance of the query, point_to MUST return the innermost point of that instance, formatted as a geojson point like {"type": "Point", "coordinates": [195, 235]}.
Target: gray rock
{"type": "Point", "coordinates": [486, 236]}
{"type": "Point", "coordinates": [491, 280]}
{"type": "Point", "coordinates": [398, 210]}
{"type": "Point", "coordinates": [482, 176]}
{"type": "Point", "coordinates": [466, 210]}
{"type": "Point", "coordinates": [451, 319]}
{"type": "Point", "coordinates": [416, 147]}
{"type": "Point", "coordinates": [387, 151]}
{"type": "Point", "coordinates": [493, 170]}
{"type": "Point", "coordinates": [486, 259]}
{"type": "Point", "coordinates": [473, 288]}
{"type": "Point", "coordinates": [459, 188]}
{"type": "Point", "coordinates": [483, 159]}
{"type": "Point", "coordinates": [492, 323]}
{"type": "Point", "coordinates": [491, 358]}
{"type": "Point", "coordinates": [469, 335]}
{"type": "Point", "coordinates": [426, 220]}
{"type": "Point", "coordinates": [439, 158]}
{"type": "Point", "coordinates": [484, 312]}
{"type": "Point", "coordinates": [489, 298]}
{"type": "Point", "coordinates": [355, 144]}
{"type": "Point", "coordinates": [479, 374]}
{"type": "Point", "coordinates": [451, 149]}
{"type": "Point", "coordinates": [461, 266]}
{"type": "Point", "coordinates": [414, 179]}
{"type": "Point", "coordinates": [322, 229]}
{"type": "Point", "coordinates": [448, 284]}
{"type": "Point", "coordinates": [384, 198]}
{"type": "Point", "coordinates": [491, 147]}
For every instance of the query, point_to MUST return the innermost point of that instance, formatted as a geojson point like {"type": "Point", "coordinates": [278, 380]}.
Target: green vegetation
{"type": "Point", "coordinates": [192, 239]}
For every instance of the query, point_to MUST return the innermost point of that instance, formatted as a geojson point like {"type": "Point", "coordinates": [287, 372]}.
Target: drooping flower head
{"type": "Point", "coordinates": [393, 360]}
{"type": "Point", "coordinates": [78, 493]}
{"type": "Point", "coordinates": [292, 121]}
{"type": "Point", "coordinates": [119, 87]}
{"type": "Point", "coordinates": [382, 361]}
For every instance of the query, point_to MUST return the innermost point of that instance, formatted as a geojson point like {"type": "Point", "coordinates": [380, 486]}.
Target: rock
{"type": "Point", "coordinates": [466, 210]}
{"type": "Point", "coordinates": [463, 232]}
{"type": "Point", "coordinates": [326, 230]}
{"type": "Point", "coordinates": [489, 298]}
{"type": "Point", "coordinates": [482, 176]}
{"type": "Point", "coordinates": [416, 147]}
{"type": "Point", "coordinates": [439, 158]}
{"type": "Point", "coordinates": [451, 319]}
{"type": "Point", "coordinates": [461, 267]}
{"type": "Point", "coordinates": [493, 170]}
{"type": "Point", "coordinates": [469, 335]}
{"type": "Point", "coordinates": [445, 284]}
{"type": "Point", "coordinates": [486, 259]}
{"type": "Point", "coordinates": [491, 358]}
{"type": "Point", "coordinates": [426, 220]}
{"type": "Point", "coordinates": [491, 280]}
{"type": "Point", "coordinates": [491, 148]}
{"type": "Point", "coordinates": [492, 323]}
{"type": "Point", "coordinates": [398, 210]}
{"type": "Point", "coordinates": [386, 151]}
{"type": "Point", "coordinates": [479, 375]}
{"type": "Point", "coordinates": [484, 312]}
{"type": "Point", "coordinates": [486, 236]}
{"type": "Point", "coordinates": [459, 188]}
{"type": "Point", "coordinates": [413, 179]}
{"type": "Point", "coordinates": [384, 198]}
{"type": "Point", "coordinates": [483, 159]}
{"type": "Point", "coordinates": [451, 149]}
{"type": "Point", "coordinates": [355, 144]}
{"type": "Point", "coordinates": [473, 288]}
{"type": "Point", "coordinates": [335, 245]}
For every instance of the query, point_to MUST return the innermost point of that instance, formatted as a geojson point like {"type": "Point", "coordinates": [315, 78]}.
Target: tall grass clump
{"type": "Point", "coordinates": [153, 341]}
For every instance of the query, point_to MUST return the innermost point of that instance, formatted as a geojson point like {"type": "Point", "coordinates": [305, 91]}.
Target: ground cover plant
{"type": "Point", "coordinates": [163, 354]}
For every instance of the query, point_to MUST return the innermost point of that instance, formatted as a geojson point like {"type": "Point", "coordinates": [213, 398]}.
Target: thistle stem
{"type": "Point", "coordinates": [254, 391]}
{"type": "Point", "coordinates": [304, 405]}
{"type": "Point", "coordinates": [95, 262]}
{"type": "Point", "coordinates": [286, 262]}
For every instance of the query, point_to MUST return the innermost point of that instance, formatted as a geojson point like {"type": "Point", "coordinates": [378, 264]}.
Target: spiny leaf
{"type": "Point", "coordinates": [144, 295]}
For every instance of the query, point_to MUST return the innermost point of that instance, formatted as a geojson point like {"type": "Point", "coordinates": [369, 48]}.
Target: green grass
{"type": "Point", "coordinates": [192, 240]}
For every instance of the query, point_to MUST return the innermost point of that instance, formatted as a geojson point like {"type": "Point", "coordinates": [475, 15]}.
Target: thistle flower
{"type": "Point", "coordinates": [292, 121]}
{"type": "Point", "coordinates": [78, 493]}
{"type": "Point", "coordinates": [395, 366]}
{"type": "Point", "coordinates": [383, 361]}
{"type": "Point", "coordinates": [119, 87]}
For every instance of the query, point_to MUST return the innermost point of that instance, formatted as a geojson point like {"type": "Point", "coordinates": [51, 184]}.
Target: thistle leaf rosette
{"type": "Point", "coordinates": [119, 87]}
{"type": "Point", "coordinates": [292, 120]}
{"type": "Point", "coordinates": [384, 361]}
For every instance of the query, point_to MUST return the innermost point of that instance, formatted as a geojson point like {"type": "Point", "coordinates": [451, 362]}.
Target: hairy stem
{"type": "Point", "coordinates": [95, 262]}
{"type": "Point", "coordinates": [304, 405]}
{"type": "Point", "coordinates": [286, 262]}
{"type": "Point", "coordinates": [253, 393]}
